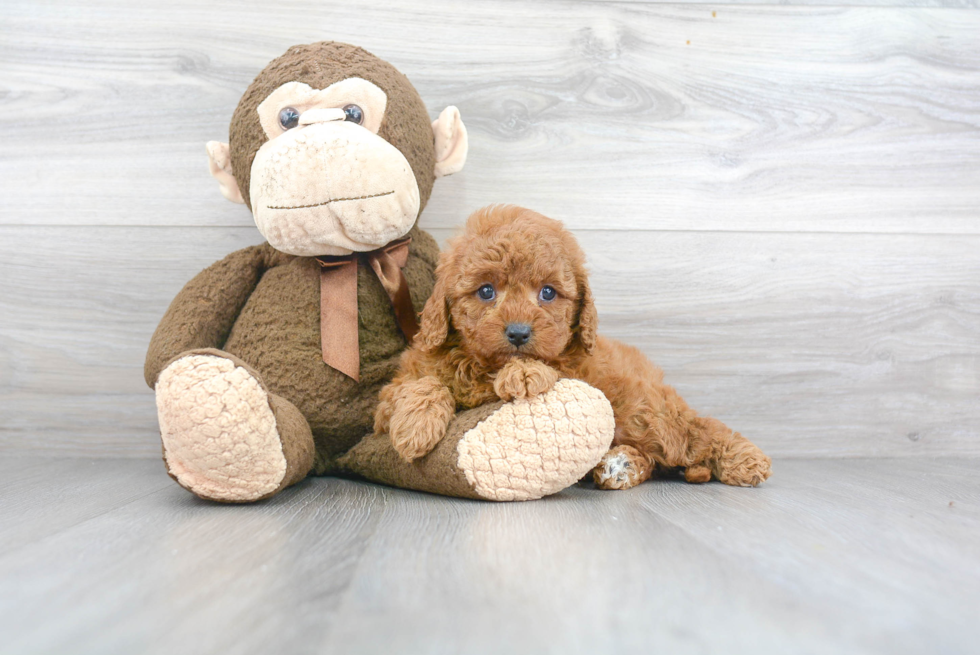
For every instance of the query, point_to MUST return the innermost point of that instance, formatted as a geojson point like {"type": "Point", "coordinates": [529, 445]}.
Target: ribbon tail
{"type": "Point", "coordinates": [388, 267]}
{"type": "Point", "coordinates": [404, 311]}
{"type": "Point", "coordinates": [338, 318]}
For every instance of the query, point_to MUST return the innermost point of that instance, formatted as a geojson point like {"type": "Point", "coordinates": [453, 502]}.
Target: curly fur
{"type": "Point", "coordinates": [462, 353]}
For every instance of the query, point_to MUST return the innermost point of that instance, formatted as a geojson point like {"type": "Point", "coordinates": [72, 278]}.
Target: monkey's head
{"type": "Point", "coordinates": [333, 151]}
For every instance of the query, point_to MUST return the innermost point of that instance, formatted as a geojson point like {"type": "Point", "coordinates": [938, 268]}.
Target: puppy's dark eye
{"type": "Point", "coordinates": [288, 117]}
{"type": "Point", "coordinates": [547, 293]}
{"type": "Point", "coordinates": [354, 114]}
{"type": "Point", "coordinates": [486, 292]}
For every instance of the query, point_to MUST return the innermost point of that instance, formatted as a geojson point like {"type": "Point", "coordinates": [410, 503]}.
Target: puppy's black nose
{"type": "Point", "coordinates": [518, 333]}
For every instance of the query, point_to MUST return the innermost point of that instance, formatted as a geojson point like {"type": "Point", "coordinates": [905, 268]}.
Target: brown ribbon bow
{"type": "Point", "coordinates": [338, 301]}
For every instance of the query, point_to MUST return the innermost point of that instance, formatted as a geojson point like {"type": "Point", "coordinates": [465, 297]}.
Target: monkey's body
{"type": "Point", "coordinates": [291, 364]}
{"type": "Point", "coordinates": [246, 403]}
{"type": "Point", "coordinates": [277, 333]}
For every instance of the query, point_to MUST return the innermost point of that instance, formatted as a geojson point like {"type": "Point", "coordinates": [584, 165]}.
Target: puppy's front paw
{"type": "Point", "coordinates": [623, 467]}
{"type": "Point", "coordinates": [421, 411]}
{"type": "Point", "coordinates": [414, 435]}
{"type": "Point", "coordinates": [521, 378]}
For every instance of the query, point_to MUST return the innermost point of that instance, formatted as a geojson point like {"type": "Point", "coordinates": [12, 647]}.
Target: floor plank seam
{"type": "Point", "coordinates": [87, 519]}
{"type": "Point", "coordinates": [577, 230]}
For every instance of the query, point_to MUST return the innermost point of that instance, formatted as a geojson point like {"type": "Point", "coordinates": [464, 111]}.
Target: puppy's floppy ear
{"type": "Point", "coordinates": [587, 325]}
{"type": "Point", "coordinates": [434, 327]}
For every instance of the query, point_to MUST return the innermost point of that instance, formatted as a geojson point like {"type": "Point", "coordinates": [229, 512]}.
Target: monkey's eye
{"type": "Point", "coordinates": [548, 293]}
{"type": "Point", "coordinates": [354, 114]}
{"type": "Point", "coordinates": [288, 118]}
{"type": "Point", "coordinates": [486, 292]}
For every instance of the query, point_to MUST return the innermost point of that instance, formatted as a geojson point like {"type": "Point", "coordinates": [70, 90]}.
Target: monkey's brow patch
{"type": "Point", "coordinates": [326, 202]}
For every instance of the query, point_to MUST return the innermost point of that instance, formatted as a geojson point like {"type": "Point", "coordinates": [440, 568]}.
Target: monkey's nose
{"type": "Point", "coordinates": [321, 115]}
{"type": "Point", "coordinates": [518, 333]}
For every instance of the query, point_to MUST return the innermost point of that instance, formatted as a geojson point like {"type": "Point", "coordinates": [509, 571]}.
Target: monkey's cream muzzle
{"type": "Point", "coordinates": [331, 187]}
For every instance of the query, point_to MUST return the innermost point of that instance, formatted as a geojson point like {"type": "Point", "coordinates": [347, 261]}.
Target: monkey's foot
{"type": "Point", "coordinates": [221, 439]}
{"type": "Point", "coordinates": [522, 450]}
{"type": "Point", "coordinates": [623, 467]}
{"type": "Point", "coordinates": [533, 448]}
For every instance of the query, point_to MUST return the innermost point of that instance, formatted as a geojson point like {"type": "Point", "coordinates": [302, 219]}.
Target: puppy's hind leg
{"type": "Point", "coordinates": [666, 432]}
{"type": "Point", "coordinates": [697, 473]}
{"type": "Point", "coordinates": [733, 459]}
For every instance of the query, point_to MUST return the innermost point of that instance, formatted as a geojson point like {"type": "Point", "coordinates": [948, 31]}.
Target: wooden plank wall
{"type": "Point", "coordinates": [781, 204]}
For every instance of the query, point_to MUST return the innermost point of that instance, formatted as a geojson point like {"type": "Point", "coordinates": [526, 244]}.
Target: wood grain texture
{"type": "Point", "coordinates": [948, 4]}
{"type": "Point", "coordinates": [631, 116]}
{"type": "Point", "coordinates": [829, 556]}
{"type": "Point", "coordinates": [779, 203]}
{"type": "Point", "coordinates": [810, 344]}
{"type": "Point", "coordinates": [42, 497]}
{"type": "Point", "coordinates": [746, 199]}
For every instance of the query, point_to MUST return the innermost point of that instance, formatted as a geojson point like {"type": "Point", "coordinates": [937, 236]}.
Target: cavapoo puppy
{"type": "Point", "coordinates": [510, 314]}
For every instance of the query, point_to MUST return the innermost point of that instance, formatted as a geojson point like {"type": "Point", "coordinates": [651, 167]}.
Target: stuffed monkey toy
{"type": "Point", "coordinates": [268, 364]}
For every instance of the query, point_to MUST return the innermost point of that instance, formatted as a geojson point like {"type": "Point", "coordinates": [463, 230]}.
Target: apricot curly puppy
{"type": "Point", "coordinates": [510, 314]}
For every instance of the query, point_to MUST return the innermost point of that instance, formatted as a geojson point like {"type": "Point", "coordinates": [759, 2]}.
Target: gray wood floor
{"type": "Point", "coordinates": [830, 556]}
{"type": "Point", "coordinates": [779, 202]}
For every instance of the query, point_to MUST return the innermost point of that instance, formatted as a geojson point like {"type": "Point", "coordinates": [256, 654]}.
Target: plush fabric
{"type": "Point", "coordinates": [532, 448]}
{"type": "Point", "coordinates": [247, 404]}
{"type": "Point", "coordinates": [363, 180]}
{"type": "Point", "coordinates": [219, 164]}
{"type": "Point", "coordinates": [224, 435]}
{"type": "Point", "coordinates": [219, 433]}
{"type": "Point", "coordinates": [522, 450]}
{"type": "Point", "coordinates": [371, 99]}
{"type": "Point", "coordinates": [375, 459]}
{"type": "Point", "coordinates": [537, 323]}
{"type": "Point", "coordinates": [451, 141]}
{"type": "Point", "coordinates": [320, 65]}
{"type": "Point", "coordinates": [264, 307]}
{"type": "Point", "coordinates": [338, 301]}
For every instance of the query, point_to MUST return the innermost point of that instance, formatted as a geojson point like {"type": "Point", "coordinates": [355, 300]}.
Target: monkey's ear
{"type": "Point", "coordinates": [434, 326]}
{"type": "Point", "coordinates": [219, 161]}
{"type": "Point", "coordinates": [451, 142]}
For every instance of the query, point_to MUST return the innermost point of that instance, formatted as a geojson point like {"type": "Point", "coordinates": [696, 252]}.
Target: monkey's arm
{"type": "Point", "coordinates": [203, 313]}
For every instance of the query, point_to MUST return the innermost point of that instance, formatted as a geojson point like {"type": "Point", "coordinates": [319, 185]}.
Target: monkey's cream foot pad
{"type": "Point", "coordinates": [528, 449]}
{"type": "Point", "coordinates": [519, 450]}
{"type": "Point", "coordinates": [219, 434]}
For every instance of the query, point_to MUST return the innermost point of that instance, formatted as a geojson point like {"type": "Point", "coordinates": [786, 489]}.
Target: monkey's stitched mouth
{"type": "Point", "coordinates": [327, 202]}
